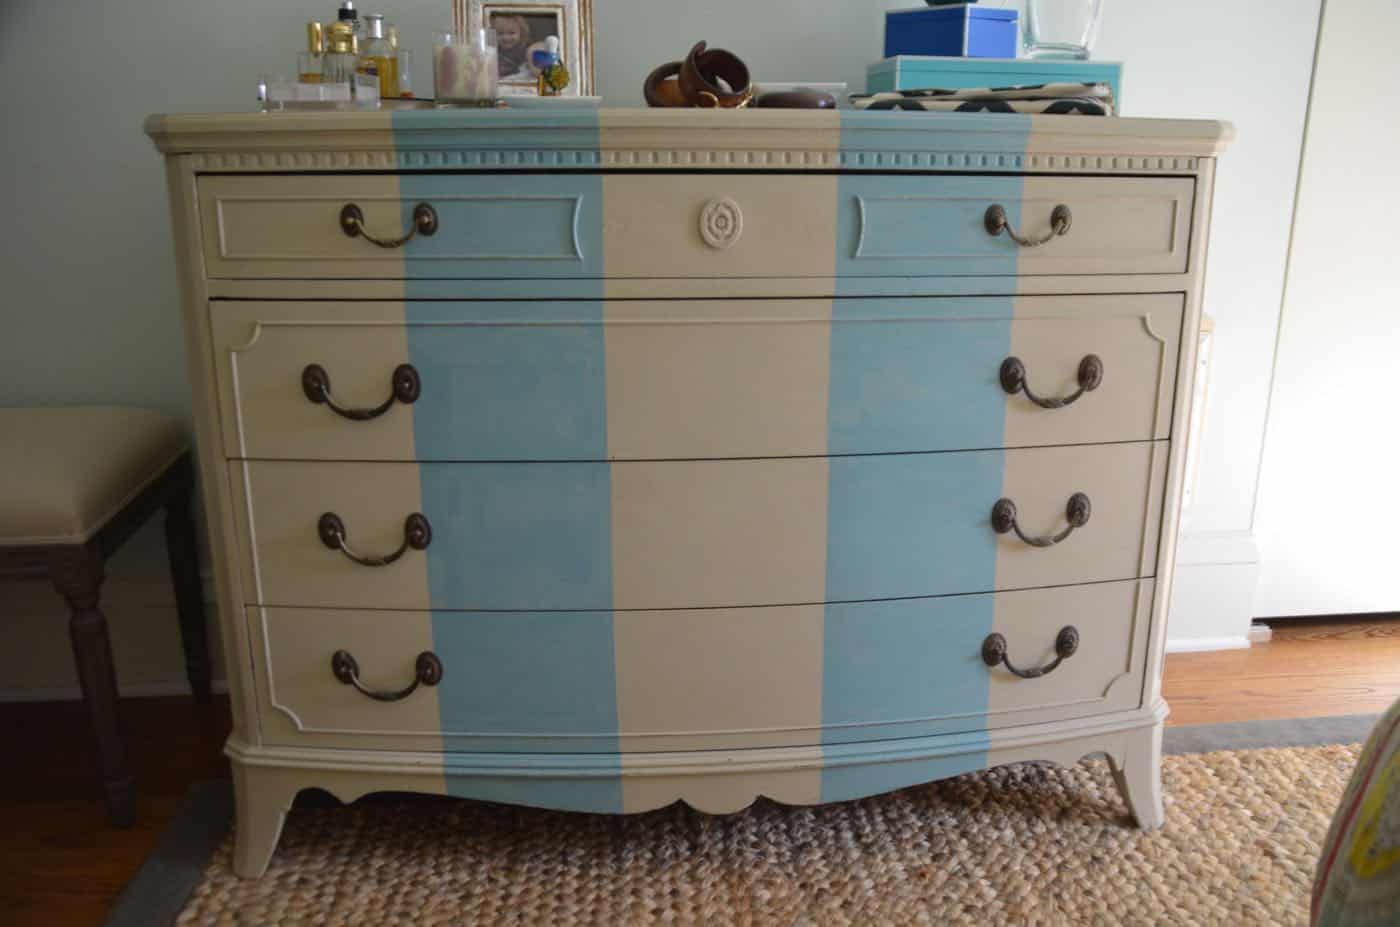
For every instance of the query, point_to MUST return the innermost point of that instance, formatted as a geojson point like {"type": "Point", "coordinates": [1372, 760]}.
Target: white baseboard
{"type": "Point", "coordinates": [74, 694]}
{"type": "Point", "coordinates": [1212, 601]}
{"type": "Point", "coordinates": [1197, 644]}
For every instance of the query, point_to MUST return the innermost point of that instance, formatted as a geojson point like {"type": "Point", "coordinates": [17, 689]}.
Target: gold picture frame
{"type": "Point", "coordinates": [573, 20]}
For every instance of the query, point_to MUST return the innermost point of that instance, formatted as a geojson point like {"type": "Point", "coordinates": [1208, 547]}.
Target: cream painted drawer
{"type": "Point", "coordinates": [680, 534]}
{"type": "Point", "coordinates": [655, 681]}
{"type": "Point", "coordinates": [637, 380]}
{"type": "Point", "coordinates": [676, 225]}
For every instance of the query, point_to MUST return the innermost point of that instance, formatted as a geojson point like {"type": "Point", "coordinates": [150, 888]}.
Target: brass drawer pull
{"type": "Point", "coordinates": [1013, 380]}
{"type": "Point", "coordinates": [404, 386]}
{"type": "Point", "coordinates": [1066, 643]}
{"type": "Point", "coordinates": [1077, 512]}
{"type": "Point", "coordinates": [996, 222]}
{"type": "Point", "coordinates": [352, 223]}
{"type": "Point", "coordinates": [427, 671]}
{"type": "Point", "coordinates": [417, 534]}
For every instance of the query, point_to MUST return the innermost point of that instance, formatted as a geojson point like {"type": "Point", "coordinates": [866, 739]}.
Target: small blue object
{"type": "Point", "coordinates": [914, 72]}
{"type": "Point", "coordinates": [963, 29]}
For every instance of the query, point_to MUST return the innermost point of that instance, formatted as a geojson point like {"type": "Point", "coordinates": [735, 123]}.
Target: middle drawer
{"type": "Point", "coordinates": [685, 534]}
{"type": "Point", "coordinates": [655, 380]}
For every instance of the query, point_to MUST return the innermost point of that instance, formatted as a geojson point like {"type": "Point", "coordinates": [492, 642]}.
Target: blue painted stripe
{"type": "Point", "coordinates": [509, 381]}
{"type": "Point", "coordinates": [917, 375]}
{"type": "Point", "coordinates": [480, 138]}
{"type": "Point", "coordinates": [534, 536]}
{"type": "Point", "coordinates": [571, 782]}
{"type": "Point", "coordinates": [890, 667]}
{"type": "Point", "coordinates": [511, 226]}
{"type": "Point", "coordinates": [503, 226]}
{"type": "Point", "coordinates": [914, 524]}
{"type": "Point", "coordinates": [920, 225]}
{"type": "Point", "coordinates": [911, 525]}
{"type": "Point", "coordinates": [518, 677]}
{"type": "Point", "coordinates": [897, 140]}
{"type": "Point", "coordinates": [537, 535]}
{"type": "Point", "coordinates": [855, 771]}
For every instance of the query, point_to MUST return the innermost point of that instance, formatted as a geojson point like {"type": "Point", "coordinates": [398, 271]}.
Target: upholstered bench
{"type": "Point", "coordinates": [75, 483]}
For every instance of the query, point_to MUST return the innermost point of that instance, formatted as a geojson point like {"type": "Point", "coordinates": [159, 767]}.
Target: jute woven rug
{"type": "Point", "coordinates": [1026, 844]}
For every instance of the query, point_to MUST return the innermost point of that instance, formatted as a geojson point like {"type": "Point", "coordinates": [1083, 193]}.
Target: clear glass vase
{"type": "Point", "coordinates": [1061, 28]}
{"type": "Point", "coordinates": [465, 67]}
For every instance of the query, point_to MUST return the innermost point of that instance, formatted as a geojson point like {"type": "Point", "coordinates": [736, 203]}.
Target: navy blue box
{"type": "Point", "coordinates": [966, 30]}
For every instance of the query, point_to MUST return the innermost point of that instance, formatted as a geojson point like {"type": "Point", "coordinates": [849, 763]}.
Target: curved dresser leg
{"type": "Point", "coordinates": [1139, 776]}
{"type": "Point", "coordinates": [263, 798]}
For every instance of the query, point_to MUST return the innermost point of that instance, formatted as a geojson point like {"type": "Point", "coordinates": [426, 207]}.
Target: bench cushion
{"type": "Point", "coordinates": [64, 472]}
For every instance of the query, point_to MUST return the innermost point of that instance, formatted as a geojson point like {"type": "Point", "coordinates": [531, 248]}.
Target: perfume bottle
{"type": "Point", "coordinates": [309, 61]}
{"type": "Point", "coordinates": [403, 62]}
{"type": "Point", "coordinates": [348, 14]}
{"type": "Point", "coordinates": [338, 62]}
{"type": "Point", "coordinates": [378, 57]}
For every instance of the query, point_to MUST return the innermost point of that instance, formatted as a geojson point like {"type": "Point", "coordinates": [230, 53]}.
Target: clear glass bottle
{"type": "Point", "coordinates": [309, 61]}
{"type": "Point", "coordinates": [1061, 28]}
{"type": "Point", "coordinates": [403, 61]}
{"type": "Point", "coordinates": [378, 57]}
{"type": "Point", "coordinates": [338, 63]}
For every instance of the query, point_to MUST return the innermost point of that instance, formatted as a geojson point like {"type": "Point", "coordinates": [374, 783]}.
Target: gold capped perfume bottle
{"type": "Point", "coordinates": [378, 58]}
{"type": "Point", "coordinates": [348, 14]}
{"type": "Point", "coordinates": [309, 61]}
{"type": "Point", "coordinates": [338, 63]}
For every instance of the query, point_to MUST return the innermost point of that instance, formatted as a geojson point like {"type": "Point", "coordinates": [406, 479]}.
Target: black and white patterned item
{"type": "Point", "coordinates": [1049, 99]}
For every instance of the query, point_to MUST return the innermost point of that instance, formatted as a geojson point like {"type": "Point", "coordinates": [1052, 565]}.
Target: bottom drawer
{"type": "Point", "coordinates": [643, 681]}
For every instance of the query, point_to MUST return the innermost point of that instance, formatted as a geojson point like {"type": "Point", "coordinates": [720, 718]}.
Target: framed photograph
{"type": "Point", "coordinates": [522, 26]}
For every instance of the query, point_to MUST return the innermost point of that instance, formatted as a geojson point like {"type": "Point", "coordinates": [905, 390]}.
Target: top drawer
{"type": "Point", "coordinates": [576, 225]}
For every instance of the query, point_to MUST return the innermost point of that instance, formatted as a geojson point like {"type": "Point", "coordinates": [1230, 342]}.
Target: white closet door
{"type": "Point", "coordinates": [1328, 516]}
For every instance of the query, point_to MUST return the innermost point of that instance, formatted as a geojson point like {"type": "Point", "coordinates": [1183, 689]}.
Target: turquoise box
{"type": "Point", "coordinates": [916, 72]}
{"type": "Point", "coordinates": [951, 29]}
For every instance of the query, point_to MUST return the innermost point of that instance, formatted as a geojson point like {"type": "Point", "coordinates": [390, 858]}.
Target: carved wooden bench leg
{"type": "Point", "coordinates": [77, 573]}
{"type": "Point", "coordinates": [183, 552]}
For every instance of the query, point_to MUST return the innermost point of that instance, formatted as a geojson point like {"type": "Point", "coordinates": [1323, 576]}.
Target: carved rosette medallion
{"type": "Point", "coordinates": [721, 223]}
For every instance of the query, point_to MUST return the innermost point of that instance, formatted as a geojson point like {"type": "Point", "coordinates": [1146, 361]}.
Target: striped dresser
{"type": "Point", "coordinates": [601, 461]}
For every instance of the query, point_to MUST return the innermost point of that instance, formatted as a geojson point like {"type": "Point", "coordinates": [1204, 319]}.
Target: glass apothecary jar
{"type": "Point", "coordinates": [465, 67]}
{"type": "Point", "coordinates": [1061, 28]}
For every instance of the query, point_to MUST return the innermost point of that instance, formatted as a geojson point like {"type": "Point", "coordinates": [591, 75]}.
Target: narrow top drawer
{"type": "Point", "coordinates": [482, 226]}
{"type": "Point", "coordinates": [640, 226]}
{"type": "Point", "coordinates": [903, 225]}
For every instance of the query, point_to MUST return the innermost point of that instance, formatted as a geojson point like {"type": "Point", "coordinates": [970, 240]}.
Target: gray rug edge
{"type": "Point", "coordinates": [157, 893]}
{"type": "Point", "coordinates": [161, 887]}
{"type": "Point", "coordinates": [1255, 735]}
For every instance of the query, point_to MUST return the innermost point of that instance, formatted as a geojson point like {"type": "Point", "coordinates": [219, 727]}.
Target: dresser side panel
{"type": "Point", "coordinates": [216, 494]}
{"type": "Point", "coordinates": [1171, 509]}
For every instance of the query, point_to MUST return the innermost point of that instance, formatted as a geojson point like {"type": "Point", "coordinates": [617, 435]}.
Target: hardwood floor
{"type": "Point", "coordinates": [1310, 668]}
{"type": "Point", "coordinates": [61, 864]}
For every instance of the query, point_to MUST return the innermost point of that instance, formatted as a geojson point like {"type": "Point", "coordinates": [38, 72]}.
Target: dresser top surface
{"type": "Point", "coordinates": [717, 139]}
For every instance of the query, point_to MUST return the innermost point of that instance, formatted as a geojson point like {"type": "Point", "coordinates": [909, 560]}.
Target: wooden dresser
{"type": "Point", "coordinates": [600, 461]}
